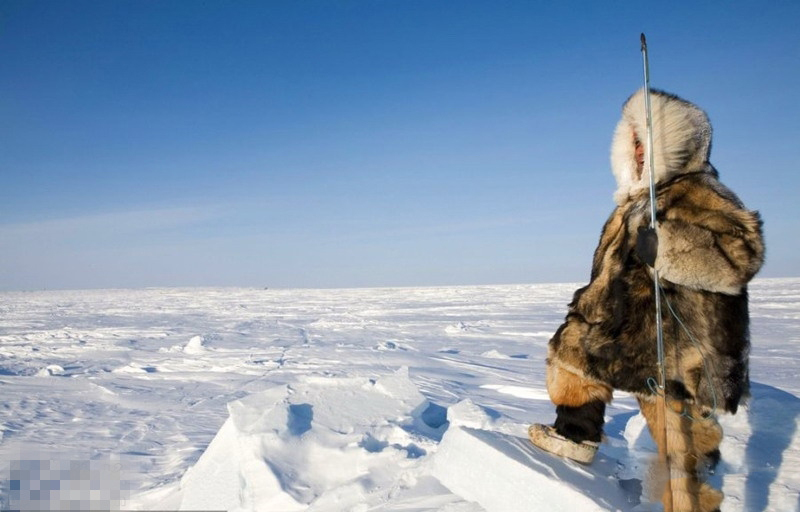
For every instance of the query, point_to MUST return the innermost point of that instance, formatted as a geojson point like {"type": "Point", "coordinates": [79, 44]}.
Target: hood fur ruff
{"type": "Point", "coordinates": [681, 141]}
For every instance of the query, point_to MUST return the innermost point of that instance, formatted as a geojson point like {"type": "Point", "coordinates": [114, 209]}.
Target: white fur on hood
{"type": "Point", "coordinates": [681, 141]}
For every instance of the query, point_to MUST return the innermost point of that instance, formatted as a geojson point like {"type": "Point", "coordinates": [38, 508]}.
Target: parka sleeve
{"type": "Point", "coordinates": [710, 245]}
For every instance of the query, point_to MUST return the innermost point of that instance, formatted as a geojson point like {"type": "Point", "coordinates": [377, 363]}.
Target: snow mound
{"type": "Point", "coordinates": [494, 354]}
{"type": "Point", "coordinates": [195, 346]}
{"type": "Point", "coordinates": [335, 443]}
{"type": "Point", "coordinates": [466, 414]}
{"type": "Point", "coordinates": [50, 370]}
{"type": "Point", "coordinates": [514, 476]}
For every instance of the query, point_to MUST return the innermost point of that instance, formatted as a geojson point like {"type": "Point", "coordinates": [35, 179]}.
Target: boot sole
{"type": "Point", "coordinates": [546, 438]}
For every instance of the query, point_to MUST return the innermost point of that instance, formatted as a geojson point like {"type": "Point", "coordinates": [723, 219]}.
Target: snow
{"type": "Point", "coordinates": [513, 476]}
{"type": "Point", "coordinates": [329, 400]}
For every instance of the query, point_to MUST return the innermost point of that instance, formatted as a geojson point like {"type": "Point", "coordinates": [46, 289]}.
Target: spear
{"type": "Point", "coordinates": [662, 382]}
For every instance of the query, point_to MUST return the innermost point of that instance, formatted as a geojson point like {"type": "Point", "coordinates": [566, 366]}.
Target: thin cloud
{"type": "Point", "coordinates": [111, 223]}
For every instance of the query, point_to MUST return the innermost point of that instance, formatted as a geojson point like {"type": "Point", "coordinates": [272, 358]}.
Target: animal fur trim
{"type": "Point", "coordinates": [681, 141]}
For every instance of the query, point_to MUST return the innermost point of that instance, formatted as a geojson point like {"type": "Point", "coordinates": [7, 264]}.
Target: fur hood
{"type": "Point", "coordinates": [681, 142]}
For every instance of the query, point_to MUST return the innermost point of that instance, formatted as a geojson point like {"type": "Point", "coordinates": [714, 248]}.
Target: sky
{"type": "Point", "coordinates": [366, 143]}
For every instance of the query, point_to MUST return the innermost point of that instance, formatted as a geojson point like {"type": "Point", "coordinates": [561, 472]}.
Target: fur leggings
{"type": "Point", "coordinates": [692, 439]}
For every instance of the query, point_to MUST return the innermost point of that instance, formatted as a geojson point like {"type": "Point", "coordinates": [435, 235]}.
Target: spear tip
{"type": "Point", "coordinates": [644, 41]}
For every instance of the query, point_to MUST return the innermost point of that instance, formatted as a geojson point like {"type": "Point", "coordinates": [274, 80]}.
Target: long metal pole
{"type": "Point", "coordinates": [650, 160]}
{"type": "Point", "coordinates": [662, 382]}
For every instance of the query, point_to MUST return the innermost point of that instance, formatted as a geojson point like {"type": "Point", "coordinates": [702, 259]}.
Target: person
{"type": "Point", "coordinates": [706, 247]}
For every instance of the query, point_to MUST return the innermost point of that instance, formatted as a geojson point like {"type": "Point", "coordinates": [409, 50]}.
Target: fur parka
{"type": "Point", "coordinates": [709, 247]}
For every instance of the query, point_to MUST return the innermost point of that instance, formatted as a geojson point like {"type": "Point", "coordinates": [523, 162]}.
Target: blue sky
{"type": "Point", "coordinates": [363, 143]}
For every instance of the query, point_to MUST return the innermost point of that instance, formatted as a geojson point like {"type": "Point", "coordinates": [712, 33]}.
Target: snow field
{"type": "Point", "coordinates": [383, 399]}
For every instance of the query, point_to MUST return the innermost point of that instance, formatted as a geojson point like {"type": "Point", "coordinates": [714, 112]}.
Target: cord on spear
{"type": "Point", "coordinates": [662, 381]}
